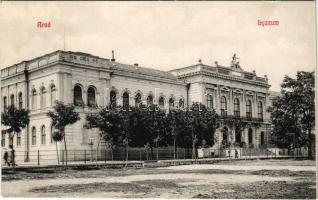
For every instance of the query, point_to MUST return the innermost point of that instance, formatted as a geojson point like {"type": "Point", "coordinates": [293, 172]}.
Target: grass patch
{"type": "Point", "coordinates": [260, 190]}
{"type": "Point", "coordinates": [145, 186]}
{"type": "Point", "coordinates": [127, 172]}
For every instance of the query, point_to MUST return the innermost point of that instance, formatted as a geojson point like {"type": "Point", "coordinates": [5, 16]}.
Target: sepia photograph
{"type": "Point", "coordinates": [169, 100]}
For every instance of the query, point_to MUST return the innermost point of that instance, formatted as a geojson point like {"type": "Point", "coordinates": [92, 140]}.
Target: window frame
{"type": "Point", "coordinates": [126, 100]}
{"type": "Point", "coordinates": [209, 101]}
{"type": "Point", "coordinates": [91, 93]}
{"type": "Point", "coordinates": [78, 95]}
{"type": "Point", "coordinates": [236, 109]}
{"type": "Point", "coordinates": [249, 109]}
{"type": "Point", "coordinates": [43, 135]}
{"type": "Point", "coordinates": [20, 100]}
{"type": "Point", "coordinates": [33, 136]}
{"type": "Point", "coordinates": [223, 107]}
{"type": "Point", "coordinates": [260, 113]}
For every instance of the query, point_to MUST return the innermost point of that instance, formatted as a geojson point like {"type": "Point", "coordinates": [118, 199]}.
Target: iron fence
{"type": "Point", "coordinates": [51, 157]}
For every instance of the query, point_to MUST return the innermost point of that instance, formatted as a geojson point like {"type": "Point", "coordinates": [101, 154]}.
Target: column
{"type": "Point", "coordinates": [230, 102]}
{"type": "Point", "coordinates": [106, 95]}
{"type": "Point", "coordinates": [217, 100]}
{"type": "Point", "coordinates": [243, 106]}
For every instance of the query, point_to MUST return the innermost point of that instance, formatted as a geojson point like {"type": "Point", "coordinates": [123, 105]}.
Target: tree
{"type": "Point", "coordinates": [62, 116]}
{"type": "Point", "coordinates": [148, 127]}
{"type": "Point", "coordinates": [57, 137]}
{"type": "Point", "coordinates": [193, 126]}
{"type": "Point", "coordinates": [293, 113]}
{"type": "Point", "coordinates": [236, 124]}
{"type": "Point", "coordinates": [108, 123]}
{"type": "Point", "coordinates": [16, 120]}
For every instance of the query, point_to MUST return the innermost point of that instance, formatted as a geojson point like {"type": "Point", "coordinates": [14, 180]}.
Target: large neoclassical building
{"type": "Point", "coordinates": [89, 82]}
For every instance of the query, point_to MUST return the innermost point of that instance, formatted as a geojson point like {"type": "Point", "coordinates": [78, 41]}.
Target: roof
{"type": "Point", "coordinates": [142, 70]}
{"type": "Point", "coordinates": [274, 93]}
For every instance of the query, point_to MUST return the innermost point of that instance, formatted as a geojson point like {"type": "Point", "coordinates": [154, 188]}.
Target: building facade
{"type": "Point", "coordinates": [89, 82]}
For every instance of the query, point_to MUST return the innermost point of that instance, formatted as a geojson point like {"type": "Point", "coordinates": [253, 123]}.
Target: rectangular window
{"type": "Point", "coordinates": [10, 140]}
{"type": "Point", "coordinates": [18, 139]}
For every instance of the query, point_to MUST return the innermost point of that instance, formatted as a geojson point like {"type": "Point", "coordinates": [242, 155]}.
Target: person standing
{"type": "Point", "coordinates": [5, 157]}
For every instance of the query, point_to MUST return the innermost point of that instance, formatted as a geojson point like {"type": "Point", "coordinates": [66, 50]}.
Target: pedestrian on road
{"type": "Point", "coordinates": [236, 153]}
{"type": "Point", "coordinates": [5, 157]}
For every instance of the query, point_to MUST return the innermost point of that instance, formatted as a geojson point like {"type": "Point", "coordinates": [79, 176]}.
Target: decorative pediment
{"type": "Point", "coordinates": [238, 91]}
{"type": "Point", "coordinates": [249, 93]}
{"type": "Point", "coordinates": [225, 89]}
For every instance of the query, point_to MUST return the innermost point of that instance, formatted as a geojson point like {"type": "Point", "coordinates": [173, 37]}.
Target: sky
{"type": "Point", "coordinates": [166, 35]}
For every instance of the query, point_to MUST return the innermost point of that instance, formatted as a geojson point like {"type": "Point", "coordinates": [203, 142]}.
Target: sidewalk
{"type": "Point", "coordinates": [137, 164]}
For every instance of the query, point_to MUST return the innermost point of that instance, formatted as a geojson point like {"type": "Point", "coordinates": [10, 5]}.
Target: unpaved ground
{"type": "Point", "coordinates": [235, 179]}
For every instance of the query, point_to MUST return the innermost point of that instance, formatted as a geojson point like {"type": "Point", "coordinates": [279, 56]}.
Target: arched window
{"type": "Point", "coordinates": [125, 100]}
{"type": "Point", "coordinates": [262, 138]}
{"type": "Point", "coordinates": [171, 103]}
{"type": "Point", "coordinates": [113, 99]}
{"type": "Point", "coordinates": [260, 110]}
{"type": "Point", "coordinates": [53, 95]}
{"type": "Point", "coordinates": [43, 135]}
{"type": "Point", "coordinates": [236, 107]}
{"type": "Point", "coordinates": [249, 109]}
{"type": "Point", "coordinates": [12, 99]}
{"type": "Point", "coordinates": [51, 133]}
{"type": "Point", "coordinates": [33, 136]}
{"type": "Point", "coordinates": [5, 105]}
{"type": "Point", "coordinates": [225, 134]}
{"type": "Point", "coordinates": [238, 135]}
{"type": "Point", "coordinates": [20, 104]}
{"type": "Point", "coordinates": [137, 100]}
{"type": "Point", "coordinates": [149, 100]}
{"type": "Point", "coordinates": [181, 103]}
{"type": "Point", "coordinates": [42, 98]}
{"type": "Point", "coordinates": [209, 102]}
{"type": "Point", "coordinates": [250, 136]}
{"type": "Point", "coordinates": [78, 100]}
{"type": "Point", "coordinates": [33, 99]}
{"type": "Point", "coordinates": [91, 98]}
{"type": "Point", "coordinates": [161, 102]}
{"type": "Point", "coordinates": [223, 107]}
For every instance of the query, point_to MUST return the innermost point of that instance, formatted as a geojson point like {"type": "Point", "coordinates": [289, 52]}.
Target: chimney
{"type": "Point", "coordinates": [113, 56]}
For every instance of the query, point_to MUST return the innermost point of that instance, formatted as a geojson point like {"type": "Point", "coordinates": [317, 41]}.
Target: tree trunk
{"type": "Point", "coordinates": [151, 151]}
{"type": "Point", "coordinates": [97, 150]}
{"type": "Point", "coordinates": [12, 151]}
{"type": "Point", "coordinates": [174, 147]}
{"type": "Point", "coordinates": [57, 153]}
{"type": "Point", "coordinates": [65, 147]}
{"type": "Point", "coordinates": [309, 145]}
{"type": "Point", "coordinates": [193, 149]}
{"type": "Point", "coordinates": [193, 145]}
{"type": "Point", "coordinates": [126, 154]}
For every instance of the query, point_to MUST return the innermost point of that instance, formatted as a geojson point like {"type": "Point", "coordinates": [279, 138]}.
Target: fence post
{"type": "Point", "coordinates": [250, 153]}
{"type": "Point", "coordinates": [38, 157]}
{"type": "Point", "coordinates": [63, 157]}
{"type": "Point", "coordinates": [105, 155]}
{"type": "Point", "coordinates": [85, 156]}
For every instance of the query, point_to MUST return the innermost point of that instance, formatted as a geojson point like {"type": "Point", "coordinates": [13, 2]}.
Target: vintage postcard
{"type": "Point", "coordinates": [212, 99]}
